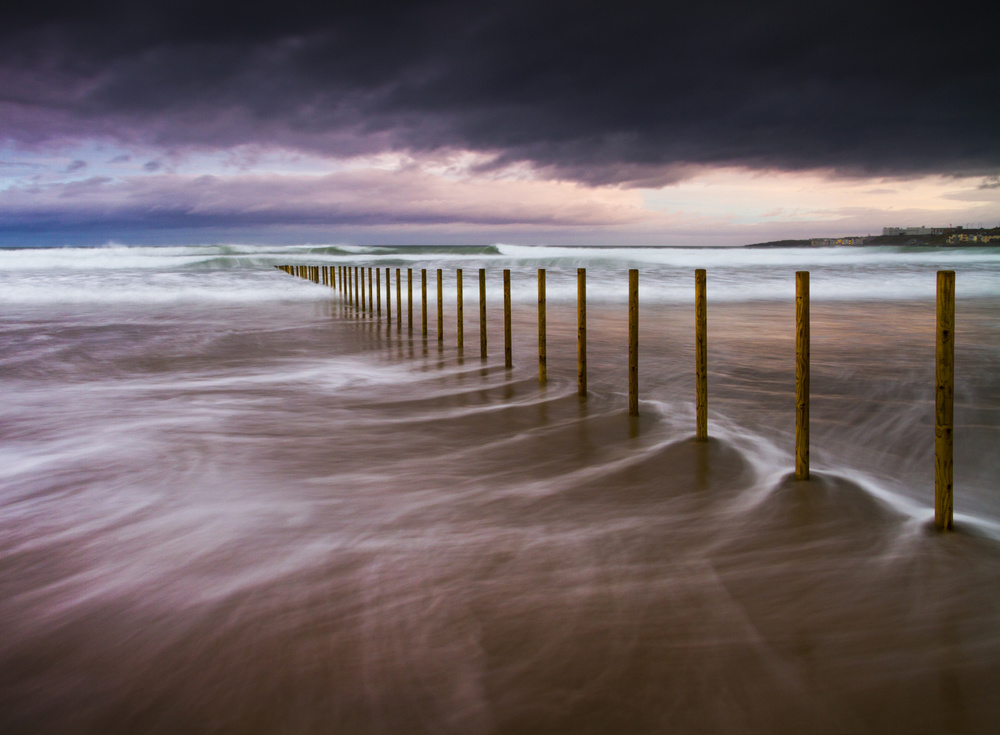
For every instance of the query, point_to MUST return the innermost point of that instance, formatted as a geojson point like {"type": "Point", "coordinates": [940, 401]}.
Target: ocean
{"type": "Point", "coordinates": [230, 502]}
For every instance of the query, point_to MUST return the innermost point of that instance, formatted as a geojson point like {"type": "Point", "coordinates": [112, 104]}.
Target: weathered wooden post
{"type": "Point", "coordinates": [350, 286]}
{"type": "Point", "coordinates": [357, 289]}
{"type": "Point", "coordinates": [460, 310]}
{"type": "Point", "coordinates": [482, 313]}
{"type": "Point", "coordinates": [366, 290]}
{"type": "Point", "coordinates": [508, 358]}
{"type": "Point", "coordinates": [399, 303]}
{"type": "Point", "coordinates": [701, 355]}
{"type": "Point", "coordinates": [802, 375]}
{"type": "Point", "coordinates": [542, 367]}
{"type": "Point", "coordinates": [409, 299]}
{"type": "Point", "coordinates": [440, 295]}
{"type": "Point", "coordinates": [388, 298]}
{"type": "Point", "coordinates": [633, 342]}
{"type": "Point", "coordinates": [371, 306]}
{"type": "Point", "coordinates": [378, 293]}
{"type": "Point", "coordinates": [944, 400]}
{"type": "Point", "coordinates": [423, 302]}
{"type": "Point", "coordinates": [581, 331]}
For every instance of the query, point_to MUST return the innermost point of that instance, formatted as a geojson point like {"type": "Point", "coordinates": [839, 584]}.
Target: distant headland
{"type": "Point", "coordinates": [927, 236]}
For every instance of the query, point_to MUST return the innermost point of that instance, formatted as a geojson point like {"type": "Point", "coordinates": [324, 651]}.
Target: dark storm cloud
{"type": "Point", "coordinates": [596, 92]}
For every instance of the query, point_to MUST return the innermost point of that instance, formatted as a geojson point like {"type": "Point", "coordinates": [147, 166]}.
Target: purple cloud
{"type": "Point", "coordinates": [628, 93]}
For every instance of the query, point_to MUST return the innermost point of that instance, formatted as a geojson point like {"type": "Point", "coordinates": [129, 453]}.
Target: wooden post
{"type": "Point", "coordinates": [388, 298]}
{"type": "Point", "coordinates": [460, 310]}
{"type": "Point", "coordinates": [357, 291]}
{"type": "Point", "coordinates": [482, 313]}
{"type": "Point", "coordinates": [944, 400]}
{"type": "Point", "coordinates": [802, 375]}
{"type": "Point", "coordinates": [701, 355]}
{"type": "Point", "coordinates": [508, 359]}
{"type": "Point", "coordinates": [399, 303]}
{"type": "Point", "coordinates": [409, 298]}
{"type": "Point", "coordinates": [633, 342]}
{"type": "Point", "coordinates": [542, 367]}
{"type": "Point", "coordinates": [378, 293]}
{"type": "Point", "coordinates": [581, 331]}
{"type": "Point", "coordinates": [440, 295]}
{"type": "Point", "coordinates": [423, 302]}
{"type": "Point", "coordinates": [371, 306]}
{"type": "Point", "coordinates": [350, 286]}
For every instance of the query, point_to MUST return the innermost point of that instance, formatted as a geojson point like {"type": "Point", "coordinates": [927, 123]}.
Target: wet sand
{"type": "Point", "coordinates": [290, 519]}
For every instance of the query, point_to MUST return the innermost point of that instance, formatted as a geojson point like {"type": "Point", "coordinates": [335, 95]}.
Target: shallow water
{"type": "Point", "coordinates": [231, 503]}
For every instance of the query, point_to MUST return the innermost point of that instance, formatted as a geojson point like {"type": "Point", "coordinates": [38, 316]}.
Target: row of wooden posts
{"type": "Point", "coordinates": [350, 282]}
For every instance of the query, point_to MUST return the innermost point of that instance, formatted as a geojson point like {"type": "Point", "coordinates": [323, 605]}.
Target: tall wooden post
{"type": "Point", "coordinates": [581, 331]}
{"type": "Point", "coordinates": [440, 295]}
{"type": "Point", "coordinates": [944, 400]}
{"type": "Point", "coordinates": [388, 298]}
{"type": "Point", "coordinates": [701, 355]}
{"type": "Point", "coordinates": [482, 313]}
{"type": "Point", "coordinates": [542, 367]}
{"type": "Point", "coordinates": [357, 289]}
{"type": "Point", "coordinates": [399, 303]}
{"type": "Point", "coordinates": [633, 342]}
{"type": "Point", "coordinates": [423, 302]}
{"type": "Point", "coordinates": [409, 299]}
{"type": "Point", "coordinates": [508, 358]}
{"type": "Point", "coordinates": [378, 293]}
{"type": "Point", "coordinates": [460, 310]}
{"type": "Point", "coordinates": [366, 306]}
{"type": "Point", "coordinates": [802, 375]}
{"type": "Point", "coordinates": [350, 286]}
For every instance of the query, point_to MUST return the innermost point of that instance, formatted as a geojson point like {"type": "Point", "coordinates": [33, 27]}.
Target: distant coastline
{"type": "Point", "coordinates": [949, 239]}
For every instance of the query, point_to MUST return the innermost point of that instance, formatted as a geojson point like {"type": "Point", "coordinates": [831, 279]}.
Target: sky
{"type": "Point", "coordinates": [521, 122]}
